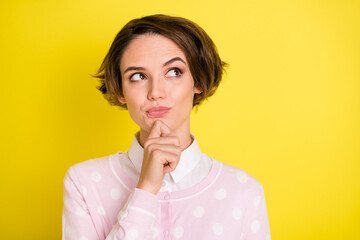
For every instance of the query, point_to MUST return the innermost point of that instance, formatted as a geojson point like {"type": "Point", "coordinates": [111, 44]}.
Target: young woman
{"type": "Point", "coordinates": [159, 67]}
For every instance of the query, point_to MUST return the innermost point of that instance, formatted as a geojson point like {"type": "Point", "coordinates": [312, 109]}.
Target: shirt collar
{"type": "Point", "coordinates": [189, 158]}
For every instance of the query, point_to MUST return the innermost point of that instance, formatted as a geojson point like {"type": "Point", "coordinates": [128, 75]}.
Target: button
{"type": "Point", "coordinates": [166, 232]}
{"type": "Point", "coordinates": [167, 196]}
{"type": "Point", "coordinates": [164, 184]}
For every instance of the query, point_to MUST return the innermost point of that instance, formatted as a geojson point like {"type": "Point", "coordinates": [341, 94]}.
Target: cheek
{"type": "Point", "coordinates": [185, 97]}
{"type": "Point", "coordinates": [132, 101]}
{"type": "Point", "coordinates": [134, 104]}
{"type": "Point", "coordinates": [134, 110]}
{"type": "Point", "coordinates": [131, 95]}
{"type": "Point", "coordinates": [184, 90]}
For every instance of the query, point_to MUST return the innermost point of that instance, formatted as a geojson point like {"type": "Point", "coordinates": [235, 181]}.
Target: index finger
{"type": "Point", "coordinates": [159, 129]}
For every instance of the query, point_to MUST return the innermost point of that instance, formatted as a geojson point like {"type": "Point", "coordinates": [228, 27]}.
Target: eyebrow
{"type": "Point", "coordinates": [132, 68]}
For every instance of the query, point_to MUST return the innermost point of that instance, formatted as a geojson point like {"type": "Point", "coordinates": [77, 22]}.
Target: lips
{"type": "Point", "coordinates": [156, 112]}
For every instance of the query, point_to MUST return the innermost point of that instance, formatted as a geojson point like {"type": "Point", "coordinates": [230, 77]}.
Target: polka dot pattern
{"type": "Point", "coordinates": [199, 211]}
{"type": "Point", "coordinates": [84, 190]}
{"type": "Point", "coordinates": [217, 228]}
{"type": "Point", "coordinates": [67, 202]}
{"type": "Point", "coordinates": [133, 234]}
{"type": "Point", "coordinates": [178, 232]}
{"type": "Point", "coordinates": [115, 194]}
{"type": "Point", "coordinates": [73, 186]}
{"type": "Point", "coordinates": [227, 203]}
{"type": "Point", "coordinates": [155, 232]}
{"type": "Point", "coordinates": [221, 194]}
{"type": "Point", "coordinates": [257, 201]}
{"type": "Point", "coordinates": [80, 211]}
{"type": "Point", "coordinates": [237, 213]}
{"type": "Point", "coordinates": [255, 226]}
{"type": "Point", "coordinates": [96, 177]}
{"type": "Point", "coordinates": [68, 232]}
{"type": "Point", "coordinates": [101, 210]}
{"type": "Point", "coordinates": [242, 177]}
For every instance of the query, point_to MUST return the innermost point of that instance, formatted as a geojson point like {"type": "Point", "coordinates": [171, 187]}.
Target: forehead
{"type": "Point", "coordinates": [150, 49]}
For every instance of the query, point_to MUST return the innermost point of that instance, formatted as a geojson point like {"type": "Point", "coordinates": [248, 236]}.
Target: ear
{"type": "Point", "coordinates": [122, 100]}
{"type": "Point", "coordinates": [196, 90]}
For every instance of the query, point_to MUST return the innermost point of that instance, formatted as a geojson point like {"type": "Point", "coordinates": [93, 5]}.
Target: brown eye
{"type": "Point", "coordinates": [137, 77]}
{"type": "Point", "coordinates": [175, 72]}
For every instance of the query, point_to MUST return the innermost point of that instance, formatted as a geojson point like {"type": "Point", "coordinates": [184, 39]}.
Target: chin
{"type": "Point", "coordinates": [150, 122]}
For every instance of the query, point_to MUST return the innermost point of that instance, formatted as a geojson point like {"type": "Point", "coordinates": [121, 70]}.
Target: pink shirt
{"type": "Point", "coordinates": [101, 201]}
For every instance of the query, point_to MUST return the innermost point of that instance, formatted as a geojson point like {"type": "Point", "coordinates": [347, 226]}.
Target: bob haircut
{"type": "Point", "coordinates": [204, 62]}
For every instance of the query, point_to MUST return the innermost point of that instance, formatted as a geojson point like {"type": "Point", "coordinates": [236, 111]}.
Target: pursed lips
{"type": "Point", "coordinates": [157, 111]}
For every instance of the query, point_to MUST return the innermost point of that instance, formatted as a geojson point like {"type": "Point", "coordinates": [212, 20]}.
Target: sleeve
{"type": "Point", "coordinates": [135, 220]}
{"type": "Point", "coordinates": [257, 226]}
{"type": "Point", "coordinates": [76, 220]}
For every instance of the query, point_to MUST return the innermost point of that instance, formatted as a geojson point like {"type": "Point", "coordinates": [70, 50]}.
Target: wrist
{"type": "Point", "coordinates": [147, 188]}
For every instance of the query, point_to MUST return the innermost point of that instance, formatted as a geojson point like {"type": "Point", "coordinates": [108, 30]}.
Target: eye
{"type": "Point", "coordinates": [137, 77]}
{"type": "Point", "coordinates": [175, 72]}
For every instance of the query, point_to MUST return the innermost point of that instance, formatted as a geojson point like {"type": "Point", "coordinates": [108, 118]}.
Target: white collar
{"type": "Point", "coordinates": [189, 158]}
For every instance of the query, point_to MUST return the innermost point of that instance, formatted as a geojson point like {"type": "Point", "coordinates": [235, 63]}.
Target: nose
{"type": "Point", "coordinates": [156, 89]}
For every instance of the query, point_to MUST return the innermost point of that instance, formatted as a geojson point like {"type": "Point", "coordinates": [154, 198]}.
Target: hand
{"type": "Point", "coordinates": [161, 155]}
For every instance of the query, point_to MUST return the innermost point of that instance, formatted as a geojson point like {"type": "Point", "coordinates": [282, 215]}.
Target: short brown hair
{"type": "Point", "coordinates": [204, 62]}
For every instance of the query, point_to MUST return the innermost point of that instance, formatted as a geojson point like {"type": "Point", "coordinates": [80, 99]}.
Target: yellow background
{"type": "Point", "coordinates": [287, 112]}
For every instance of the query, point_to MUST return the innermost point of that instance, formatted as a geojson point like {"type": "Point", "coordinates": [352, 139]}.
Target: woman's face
{"type": "Point", "coordinates": [157, 83]}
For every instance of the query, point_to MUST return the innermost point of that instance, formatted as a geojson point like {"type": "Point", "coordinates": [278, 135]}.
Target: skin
{"type": "Point", "coordinates": [150, 79]}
